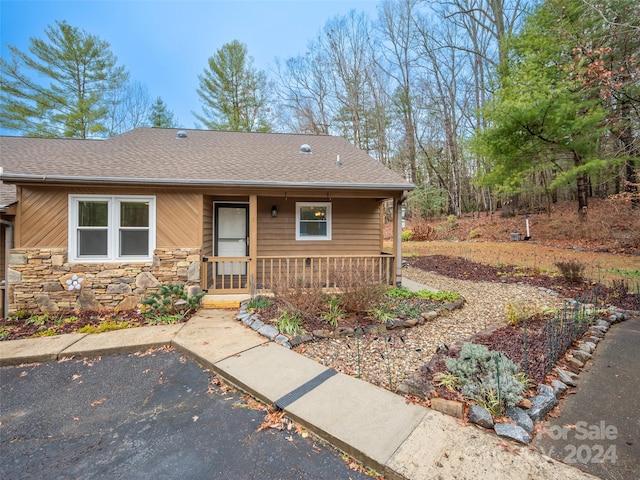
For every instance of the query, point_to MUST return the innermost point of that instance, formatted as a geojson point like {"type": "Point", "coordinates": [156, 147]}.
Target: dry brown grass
{"type": "Point", "coordinates": [611, 223]}
{"type": "Point", "coordinates": [607, 244]}
{"type": "Point", "coordinates": [602, 267]}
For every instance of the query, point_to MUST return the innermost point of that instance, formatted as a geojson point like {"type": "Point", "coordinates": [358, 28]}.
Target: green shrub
{"type": "Point", "coordinates": [38, 320]}
{"type": "Point", "coordinates": [259, 302]}
{"type": "Point", "coordinates": [489, 378]}
{"type": "Point", "coordinates": [407, 235]}
{"type": "Point", "coordinates": [63, 320]}
{"type": "Point", "coordinates": [167, 319]}
{"type": "Point", "coordinates": [171, 299]}
{"type": "Point", "coordinates": [400, 292]}
{"type": "Point", "coordinates": [288, 322]}
{"type": "Point", "coordinates": [333, 313]}
{"type": "Point", "coordinates": [447, 380]}
{"type": "Point", "coordinates": [381, 313]}
{"type": "Point", "coordinates": [439, 296]}
{"type": "Point", "coordinates": [4, 332]}
{"type": "Point", "coordinates": [18, 315]}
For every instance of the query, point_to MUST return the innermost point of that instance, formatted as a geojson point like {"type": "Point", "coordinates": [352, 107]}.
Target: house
{"type": "Point", "coordinates": [99, 223]}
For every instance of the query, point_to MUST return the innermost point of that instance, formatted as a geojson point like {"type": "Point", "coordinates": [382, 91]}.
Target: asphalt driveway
{"type": "Point", "coordinates": [154, 415]}
{"type": "Point", "coordinates": [598, 429]}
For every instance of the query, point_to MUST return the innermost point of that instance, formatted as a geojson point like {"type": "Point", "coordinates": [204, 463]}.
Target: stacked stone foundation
{"type": "Point", "coordinates": [43, 280]}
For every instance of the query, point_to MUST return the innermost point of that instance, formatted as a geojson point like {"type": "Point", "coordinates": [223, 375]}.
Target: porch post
{"type": "Point", "coordinates": [397, 238]}
{"type": "Point", "coordinates": [253, 242]}
{"type": "Point", "coordinates": [397, 235]}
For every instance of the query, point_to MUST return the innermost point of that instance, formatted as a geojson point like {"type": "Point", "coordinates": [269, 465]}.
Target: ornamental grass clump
{"type": "Point", "coordinates": [487, 377]}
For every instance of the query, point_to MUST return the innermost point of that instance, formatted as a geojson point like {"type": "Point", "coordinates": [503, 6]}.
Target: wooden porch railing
{"type": "Point", "coordinates": [225, 274]}
{"type": "Point", "coordinates": [231, 274]}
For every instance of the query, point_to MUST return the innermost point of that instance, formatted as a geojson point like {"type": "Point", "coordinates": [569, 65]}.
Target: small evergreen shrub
{"type": "Point", "coordinates": [171, 299]}
{"type": "Point", "coordinates": [487, 377]}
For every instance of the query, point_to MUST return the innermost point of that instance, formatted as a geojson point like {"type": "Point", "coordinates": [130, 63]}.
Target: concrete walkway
{"type": "Point", "coordinates": [375, 426]}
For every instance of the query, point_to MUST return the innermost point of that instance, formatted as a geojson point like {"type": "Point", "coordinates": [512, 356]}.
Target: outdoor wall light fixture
{"type": "Point", "coordinates": [274, 211]}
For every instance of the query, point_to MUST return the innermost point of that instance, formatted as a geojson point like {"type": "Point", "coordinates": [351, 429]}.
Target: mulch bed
{"type": "Point", "coordinates": [585, 291]}
{"type": "Point", "coordinates": [351, 320]}
{"type": "Point", "coordinates": [509, 339]}
{"type": "Point", "coordinates": [54, 323]}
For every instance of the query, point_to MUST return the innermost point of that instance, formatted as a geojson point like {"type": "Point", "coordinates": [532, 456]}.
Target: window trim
{"type": "Point", "coordinates": [113, 228]}
{"type": "Point", "coordinates": [316, 238]}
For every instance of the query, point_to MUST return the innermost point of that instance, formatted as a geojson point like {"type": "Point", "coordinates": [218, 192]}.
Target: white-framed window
{"type": "Point", "coordinates": [111, 228]}
{"type": "Point", "coordinates": [313, 221]}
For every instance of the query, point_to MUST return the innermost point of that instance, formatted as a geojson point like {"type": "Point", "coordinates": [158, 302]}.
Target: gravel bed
{"type": "Point", "coordinates": [388, 359]}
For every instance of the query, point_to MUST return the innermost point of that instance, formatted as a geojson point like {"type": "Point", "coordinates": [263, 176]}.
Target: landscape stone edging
{"type": "Point", "coordinates": [548, 396]}
{"type": "Point", "coordinates": [269, 331]}
{"type": "Point", "coordinates": [541, 404]}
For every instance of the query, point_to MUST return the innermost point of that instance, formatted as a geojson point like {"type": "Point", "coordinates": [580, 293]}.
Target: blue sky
{"type": "Point", "coordinates": [165, 44]}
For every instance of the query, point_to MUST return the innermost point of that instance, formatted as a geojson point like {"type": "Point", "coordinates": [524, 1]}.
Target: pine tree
{"type": "Point", "coordinates": [161, 116]}
{"type": "Point", "coordinates": [233, 93]}
{"type": "Point", "coordinates": [61, 87]}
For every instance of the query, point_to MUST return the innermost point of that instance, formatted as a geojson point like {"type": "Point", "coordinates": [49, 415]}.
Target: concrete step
{"type": "Point", "coordinates": [224, 301]}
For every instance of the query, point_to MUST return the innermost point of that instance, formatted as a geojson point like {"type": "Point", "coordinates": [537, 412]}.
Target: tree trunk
{"type": "Point", "coordinates": [583, 189]}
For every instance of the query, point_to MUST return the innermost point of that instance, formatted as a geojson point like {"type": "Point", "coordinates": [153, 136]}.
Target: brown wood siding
{"type": "Point", "coordinates": [43, 215]}
{"type": "Point", "coordinates": [178, 219]}
{"type": "Point", "coordinates": [355, 228]}
{"type": "Point", "coordinates": [207, 226]}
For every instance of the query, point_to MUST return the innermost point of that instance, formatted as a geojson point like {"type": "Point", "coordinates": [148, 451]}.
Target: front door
{"type": "Point", "coordinates": [231, 236]}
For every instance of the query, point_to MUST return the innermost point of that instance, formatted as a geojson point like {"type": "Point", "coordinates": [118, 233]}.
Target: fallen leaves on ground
{"type": "Point", "coordinates": [273, 419]}
{"type": "Point", "coordinates": [224, 387]}
{"type": "Point", "coordinates": [98, 402]}
{"type": "Point", "coordinates": [249, 403]}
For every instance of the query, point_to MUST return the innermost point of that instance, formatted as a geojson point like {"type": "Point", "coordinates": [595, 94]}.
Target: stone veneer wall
{"type": "Point", "coordinates": [38, 279]}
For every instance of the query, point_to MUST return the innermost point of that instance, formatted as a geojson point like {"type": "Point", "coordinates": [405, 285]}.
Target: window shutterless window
{"type": "Point", "coordinates": [313, 221]}
{"type": "Point", "coordinates": [111, 228]}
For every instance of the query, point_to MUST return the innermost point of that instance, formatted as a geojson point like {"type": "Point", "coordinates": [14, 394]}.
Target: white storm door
{"type": "Point", "coordinates": [231, 236]}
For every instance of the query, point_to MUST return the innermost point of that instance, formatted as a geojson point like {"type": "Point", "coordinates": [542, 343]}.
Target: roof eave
{"type": "Point", "coordinates": [159, 182]}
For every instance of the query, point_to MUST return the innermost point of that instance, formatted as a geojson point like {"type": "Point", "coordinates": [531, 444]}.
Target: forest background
{"type": "Point", "coordinates": [482, 104]}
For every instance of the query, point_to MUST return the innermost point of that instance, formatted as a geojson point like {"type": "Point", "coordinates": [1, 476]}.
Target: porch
{"type": "Point", "coordinates": [243, 275]}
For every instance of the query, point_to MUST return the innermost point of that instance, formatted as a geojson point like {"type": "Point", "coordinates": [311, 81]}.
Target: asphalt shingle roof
{"type": "Point", "coordinates": [157, 156]}
{"type": "Point", "coordinates": [7, 195]}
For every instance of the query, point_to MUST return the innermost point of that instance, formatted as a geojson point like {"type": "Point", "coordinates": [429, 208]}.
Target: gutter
{"type": "Point", "coordinates": [84, 180]}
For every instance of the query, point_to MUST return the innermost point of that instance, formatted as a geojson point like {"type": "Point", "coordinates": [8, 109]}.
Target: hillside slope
{"type": "Point", "coordinates": [612, 225]}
